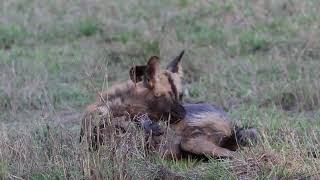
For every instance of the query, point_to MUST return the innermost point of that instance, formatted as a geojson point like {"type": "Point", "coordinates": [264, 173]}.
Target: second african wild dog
{"type": "Point", "coordinates": [151, 90]}
{"type": "Point", "coordinates": [206, 130]}
{"type": "Point", "coordinates": [203, 130]}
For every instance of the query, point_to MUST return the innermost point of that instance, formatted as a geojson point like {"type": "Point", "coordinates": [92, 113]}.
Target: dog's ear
{"type": "Point", "coordinates": [175, 65]}
{"type": "Point", "coordinates": [136, 73]}
{"type": "Point", "coordinates": [152, 70]}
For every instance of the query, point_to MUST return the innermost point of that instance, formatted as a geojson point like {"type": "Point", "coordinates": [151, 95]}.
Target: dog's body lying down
{"type": "Point", "coordinates": [200, 129]}
{"type": "Point", "coordinates": [206, 130]}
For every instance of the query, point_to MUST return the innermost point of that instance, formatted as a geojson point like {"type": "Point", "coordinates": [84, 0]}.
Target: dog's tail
{"type": "Point", "coordinates": [240, 137]}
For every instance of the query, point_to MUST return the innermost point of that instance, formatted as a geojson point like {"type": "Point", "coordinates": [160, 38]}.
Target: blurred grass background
{"type": "Point", "coordinates": [259, 60]}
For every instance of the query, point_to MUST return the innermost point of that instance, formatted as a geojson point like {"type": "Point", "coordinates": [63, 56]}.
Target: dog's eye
{"type": "Point", "coordinates": [148, 83]}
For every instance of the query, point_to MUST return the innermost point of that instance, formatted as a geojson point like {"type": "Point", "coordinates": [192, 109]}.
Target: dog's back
{"type": "Point", "coordinates": [207, 130]}
{"type": "Point", "coordinates": [204, 115]}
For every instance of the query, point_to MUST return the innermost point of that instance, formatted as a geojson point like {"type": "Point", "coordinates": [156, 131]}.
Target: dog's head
{"type": "Point", "coordinates": [164, 85]}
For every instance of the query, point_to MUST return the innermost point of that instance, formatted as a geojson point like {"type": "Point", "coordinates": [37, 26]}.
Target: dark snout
{"type": "Point", "coordinates": [177, 112]}
{"type": "Point", "coordinates": [172, 109]}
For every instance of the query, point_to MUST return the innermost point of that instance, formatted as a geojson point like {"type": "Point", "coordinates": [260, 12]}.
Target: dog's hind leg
{"type": "Point", "coordinates": [200, 145]}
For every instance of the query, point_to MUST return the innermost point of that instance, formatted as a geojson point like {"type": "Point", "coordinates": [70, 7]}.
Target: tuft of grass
{"type": "Point", "coordinates": [251, 41]}
{"type": "Point", "coordinates": [3, 170]}
{"type": "Point", "coordinates": [4, 100]}
{"type": "Point", "coordinates": [54, 174]}
{"type": "Point", "coordinates": [88, 27]}
{"type": "Point", "coordinates": [10, 35]}
{"type": "Point", "coordinates": [220, 170]}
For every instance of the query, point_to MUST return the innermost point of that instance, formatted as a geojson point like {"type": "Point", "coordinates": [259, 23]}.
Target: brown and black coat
{"type": "Point", "coordinates": [195, 129]}
{"type": "Point", "coordinates": [152, 91]}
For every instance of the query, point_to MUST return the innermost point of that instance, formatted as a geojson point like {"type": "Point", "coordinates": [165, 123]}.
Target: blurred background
{"type": "Point", "coordinates": [257, 59]}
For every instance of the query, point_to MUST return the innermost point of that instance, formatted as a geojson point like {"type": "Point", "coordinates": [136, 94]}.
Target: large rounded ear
{"type": "Point", "coordinates": [175, 65]}
{"type": "Point", "coordinates": [136, 73]}
{"type": "Point", "coordinates": [152, 69]}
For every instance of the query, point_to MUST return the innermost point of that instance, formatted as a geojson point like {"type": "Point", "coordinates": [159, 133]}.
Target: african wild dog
{"type": "Point", "coordinates": [197, 129]}
{"type": "Point", "coordinates": [203, 130]}
{"type": "Point", "coordinates": [206, 130]}
{"type": "Point", "coordinates": [151, 90]}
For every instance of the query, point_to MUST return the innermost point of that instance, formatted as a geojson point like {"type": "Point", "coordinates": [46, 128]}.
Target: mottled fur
{"type": "Point", "coordinates": [197, 129]}
{"type": "Point", "coordinates": [151, 91]}
{"type": "Point", "coordinates": [205, 130]}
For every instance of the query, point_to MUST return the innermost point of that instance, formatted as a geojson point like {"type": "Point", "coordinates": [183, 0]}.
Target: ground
{"type": "Point", "coordinates": [258, 60]}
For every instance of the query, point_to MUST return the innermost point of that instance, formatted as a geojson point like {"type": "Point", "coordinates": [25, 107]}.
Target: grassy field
{"type": "Point", "coordinates": [259, 60]}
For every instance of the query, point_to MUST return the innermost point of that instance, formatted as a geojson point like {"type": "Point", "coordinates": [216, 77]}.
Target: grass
{"type": "Point", "coordinates": [10, 35]}
{"type": "Point", "coordinates": [258, 60]}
